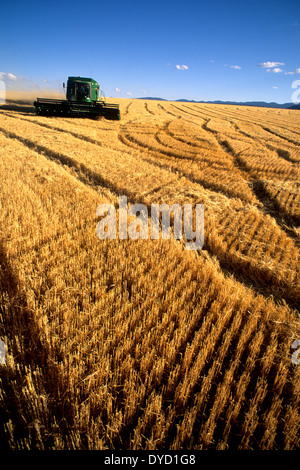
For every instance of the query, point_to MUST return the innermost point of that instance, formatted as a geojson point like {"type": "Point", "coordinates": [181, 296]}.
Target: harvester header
{"type": "Point", "coordinates": [82, 99]}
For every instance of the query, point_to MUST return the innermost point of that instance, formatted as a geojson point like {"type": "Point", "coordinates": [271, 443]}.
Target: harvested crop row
{"type": "Point", "coordinates": [122, 344]}
{"type": "Point", "coordinates": [286, 197]}
{"type": "Point", "coordinates": [101, 165]}
{"type": "Point", "coordinates": [264, 164]}
{"type": "Point", "coordinates": [214, 169]}
{"type": "Point", "coordinates": [137, 344]}
{"type": "Point", "coordinates": [107, 170]}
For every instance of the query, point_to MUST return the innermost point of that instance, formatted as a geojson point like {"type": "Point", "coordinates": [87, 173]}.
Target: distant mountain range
{"type": "Point", "coordinates": [261, 104]}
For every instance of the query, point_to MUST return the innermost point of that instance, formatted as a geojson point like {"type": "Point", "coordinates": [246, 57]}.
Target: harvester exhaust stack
{"type": "Point", "coordinates": [82, 100]}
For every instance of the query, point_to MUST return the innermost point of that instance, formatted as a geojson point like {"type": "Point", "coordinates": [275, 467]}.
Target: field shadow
{"type": "Point", "coordinates": [19, 107]}
{"type": "Point", "coordinates": [284, 221]}
{"type": "Point", "coordinates": [32, 357]}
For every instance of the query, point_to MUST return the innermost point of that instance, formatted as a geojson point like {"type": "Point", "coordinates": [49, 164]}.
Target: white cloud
{"type": "Point", "coordinates": [119, 91]}
{"type": "Point", "coordinates": [270, 64]}
{"type": "Point", "coordinates": [292, 73]}
{"type": "Point", "coordinates": [7, 76]}
{"type": "Point", "coordinates": [275, 87]}
{"type": "Point", "coordinates": [237, 67]}
{"type": "Point", "coordinates": [11, 76]}
{"type": "Point", "coordinates": [275, 70]}
{"type": "Point", "coordinates": [181, 67]}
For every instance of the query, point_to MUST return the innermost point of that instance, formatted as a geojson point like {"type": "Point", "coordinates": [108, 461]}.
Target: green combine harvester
{"type": "Point", "coordinates": [82, 100]}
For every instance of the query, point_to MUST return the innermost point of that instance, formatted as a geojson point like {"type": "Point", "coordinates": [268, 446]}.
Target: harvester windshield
{"type": "Point", "coordinates": [78, 91]}
{"type": "Point", "coordinates": [82, 90]}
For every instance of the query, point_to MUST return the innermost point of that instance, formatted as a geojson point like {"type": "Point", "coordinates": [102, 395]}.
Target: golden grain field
{"type": "Point", "coordinates": [142, 344]}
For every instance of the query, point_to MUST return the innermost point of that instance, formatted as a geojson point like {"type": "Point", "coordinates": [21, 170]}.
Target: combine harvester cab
{"type": "Point", "coordinates": [82, 100]}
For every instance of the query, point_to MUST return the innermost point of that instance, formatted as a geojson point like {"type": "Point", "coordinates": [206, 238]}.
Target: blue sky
{"type": "Point", "coordinates": [194, 49]}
